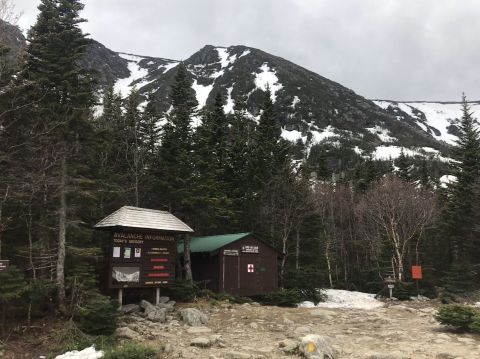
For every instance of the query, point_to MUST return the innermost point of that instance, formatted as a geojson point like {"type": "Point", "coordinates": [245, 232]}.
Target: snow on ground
{"type": "Point", "coordinates": [446, 179]}
{"type": "Point", "coordinates": [169, 66]}
{"type": "Point", "coordinates": [294, 102]}
{"type": "Point", "coordinates": [337, 298]}
{"type": "Point", "coordinates": [201, 92]}
{"type": "Point", "coordinates": [267, 78]}
{"type": "Point", "coordinates": [228, 108]}
{"type": "Point", "coordinates": [392, 152]}
{"type": "Point", "coordinates": [88, 353]}
{"type": "Point", "coordinates": [327, 132]}
{"type": "Point", "coordinates": [292, 136]}
{"type": "Point", "coordinates": [438, 115]}
{"type": "Point", "coordinates": [382, 133]}
{"type": "Point", "coordinates": [245, 53]}
{"type": "Point", "coordinates": [124, 86]}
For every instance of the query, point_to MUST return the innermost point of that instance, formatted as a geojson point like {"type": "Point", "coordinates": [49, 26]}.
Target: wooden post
{"type": "Point", "coordinates": [120, 297]}
{"type": "Point", "coordinates": [157, 300]}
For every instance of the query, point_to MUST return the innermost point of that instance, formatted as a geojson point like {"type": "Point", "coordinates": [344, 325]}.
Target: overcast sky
{"type": "Point", "coordinates": [387, 49]}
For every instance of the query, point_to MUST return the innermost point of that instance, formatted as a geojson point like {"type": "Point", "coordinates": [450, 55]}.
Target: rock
{"type": "Point", "coordinates": [288, 346]}
{"type": "Point", "coordinates": [316, 347]}
{"type": "Point", "coordinates": [193, 317]}
{"type": "Point", "coordinates": [201, 342]}
{"type": "Point", "coordinates": [163, 299]}
{"type": "Point", "coordinates": [130, 308]}
{"type": "Point", "coordinates": [157, 315]}
{"type": "Point", "coordinates": [253, 325]}
{"type": "Point", "coordinates": [167, 306]}
{"type": "Point", "coordinates": [198, 330]}
{"type": "Point", "coordinates": [126, 333]}
{"type": "Point", "coordinates": [302, 330]}
{"type": "Point", "coordinates": [237, 355]}
{"type": "Point", "coordinates": [386, 356]}
{"type": "Point", "coordinates": [445, 356]}
{"type": "Point", "coordinates": [146, 305]}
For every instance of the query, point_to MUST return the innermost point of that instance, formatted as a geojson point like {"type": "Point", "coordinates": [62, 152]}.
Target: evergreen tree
{"type": "Point", "coordinates": [403, 165]}
{"type": "Point", "coordinates": [212, 202]}
{"type": "Point", "coordinates": [271, 151]}
{"type": "Point", "coordinates": [459, 216]}
{"type": "Point", "coordinates": [175, 174]}
{"type": "Point", "coordinates": [56, 44]}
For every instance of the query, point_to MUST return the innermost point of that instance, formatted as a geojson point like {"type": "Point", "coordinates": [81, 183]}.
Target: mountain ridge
{"type": "Point", "coordinates": [312, 109]}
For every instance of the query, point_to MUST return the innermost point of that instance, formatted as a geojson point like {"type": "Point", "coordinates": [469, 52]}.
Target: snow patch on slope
{"type": "Point", "coordinates": [201, 92]}
{"type": "Point", "coordinates": [293, 136]}
{"type": "Point", "coordinates": [382, 133]}
{"type": "Point", "coordinates": [169, 66]}
{"type": "Point", "coordinates": [437, 115]}
{"type": "Point", "coordinates": [295, 101]}
{"type": "Point", "coordinates": [124, 86]}
{"type": "Point", "coordinates": [267, 78]}
{"type": "Point", "coordinates": [228, 107]}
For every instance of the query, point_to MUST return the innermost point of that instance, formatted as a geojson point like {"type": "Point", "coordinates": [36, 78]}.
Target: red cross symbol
{"type": "Point", "coordinates": [250, 268]}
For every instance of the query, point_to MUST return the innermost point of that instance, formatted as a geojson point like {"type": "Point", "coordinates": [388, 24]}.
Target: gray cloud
{"type": "Point", "coordinates": [389, 49]}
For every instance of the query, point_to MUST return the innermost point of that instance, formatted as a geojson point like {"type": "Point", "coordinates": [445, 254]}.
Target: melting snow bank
{"type": "Point", "coordinates": [336, 298]}
{"type": "Point", "coordinates": [88, 353]}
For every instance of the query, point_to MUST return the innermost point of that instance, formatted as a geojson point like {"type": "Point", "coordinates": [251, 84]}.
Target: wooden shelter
{"type": "Point", "coordinates": [143, 247]}
{"type": "Point", "coordinates": [239, 264]}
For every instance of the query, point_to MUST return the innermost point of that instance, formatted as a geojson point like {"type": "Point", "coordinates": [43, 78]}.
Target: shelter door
{"type": "Point", "coordinates": [231, 274]}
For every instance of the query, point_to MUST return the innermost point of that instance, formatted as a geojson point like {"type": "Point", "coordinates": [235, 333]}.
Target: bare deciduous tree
{"type": "Point", "coordinates": [398, 211]}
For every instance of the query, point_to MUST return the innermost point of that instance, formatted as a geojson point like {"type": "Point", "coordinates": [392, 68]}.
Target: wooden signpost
{"type": "Point", "coordinates": [141, 260]}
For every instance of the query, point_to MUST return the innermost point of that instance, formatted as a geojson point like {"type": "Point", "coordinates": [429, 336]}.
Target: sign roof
{"type": "Point", "coordinates": [135, 217]}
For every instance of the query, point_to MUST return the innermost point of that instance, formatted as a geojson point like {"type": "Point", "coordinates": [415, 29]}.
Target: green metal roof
{"type": "Point", "coordinates": [211, 243]}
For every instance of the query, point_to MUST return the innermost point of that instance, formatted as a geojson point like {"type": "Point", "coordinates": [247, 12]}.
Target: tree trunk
{"type": "Point", "coordinates": [187, 264]}
{"type": "Point", "coordinates": [297, 250]}
{"type": "Point", "coordinates": [1, 218]}
{"type": "Point", "coordinates": [62, 230]}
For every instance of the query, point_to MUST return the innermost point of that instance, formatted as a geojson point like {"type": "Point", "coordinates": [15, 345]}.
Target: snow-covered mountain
{"type": "Point", "coordinates": [311, 109]}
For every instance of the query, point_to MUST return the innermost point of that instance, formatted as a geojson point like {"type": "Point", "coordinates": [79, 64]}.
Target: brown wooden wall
{"type": "Point", "coordinates": [229, 273]}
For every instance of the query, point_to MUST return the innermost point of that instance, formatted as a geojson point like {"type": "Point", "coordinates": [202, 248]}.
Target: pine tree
{"type": "Point", "coordinates": [460, 217]}
{"type": "Point", "coordinates": [175, 174]}
{"type": "Point", "coordinates": [271, 151]}
{"type": "Point", "coordinates": [403, 165]}
{"type": "Point", "coordinates": [56, 44]}
{"type": "Point", "coordinates": [213, 205]}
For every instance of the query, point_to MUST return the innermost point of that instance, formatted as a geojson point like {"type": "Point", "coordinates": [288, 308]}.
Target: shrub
{"type": "Point", "coordinates": [97, 315]}
{"type": "Point", "coordinates": [458, 282]}
{"type": "Point", "coordinates": [459, 316]}
{"type": "Point", "coordinates": [184, 291]}
{"type": "Point", "coordinates": [131, 351]}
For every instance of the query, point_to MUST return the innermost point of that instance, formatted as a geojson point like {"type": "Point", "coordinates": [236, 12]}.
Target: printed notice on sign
{"type": "Point", "coordinates": [116, 252]}
{"type": "Point", "coordinates": [138, 252]}
{"type": "Point", "coordinates": [127, 253]}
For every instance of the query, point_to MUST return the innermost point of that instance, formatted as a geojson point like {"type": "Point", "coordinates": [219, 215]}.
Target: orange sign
{"type": "Point", "coordinates": [417, 272]}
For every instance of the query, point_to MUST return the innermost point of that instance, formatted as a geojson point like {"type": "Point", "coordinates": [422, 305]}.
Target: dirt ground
{"type": "Point", "coordinates": [404, 330]}
{"type": "Point", "coordinates": [399, 330]}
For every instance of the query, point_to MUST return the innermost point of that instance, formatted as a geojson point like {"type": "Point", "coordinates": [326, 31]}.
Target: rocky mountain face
{"type": "Point", "coordinates": [12, 43]}
{"type": "Point", "coordinates": [311, 108]}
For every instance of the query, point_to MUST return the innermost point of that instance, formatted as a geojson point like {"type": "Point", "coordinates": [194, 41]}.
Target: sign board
{"type": "Point", "coordinates": [141, 260]}
{"type": "Point", "coordinates": [250, 268]}
{"type": "Point", "coordinates": [4, 264]}
{"type": "Point", "coordinates": [249, 249]}
{"type": "Point", "coordinates": [391, 286]}
{"type": "Point", "coordinates": [417, 272]}
{"type": "Point", "coordinates": [230, 252]}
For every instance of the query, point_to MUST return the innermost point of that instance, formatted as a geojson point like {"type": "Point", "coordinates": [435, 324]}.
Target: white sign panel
{"type": "Point", "coordinates": [250, 249]}
{"type": "Point", "coordinates": [250, 268]}
{"type": "Point", "coordinates": [230, 252]}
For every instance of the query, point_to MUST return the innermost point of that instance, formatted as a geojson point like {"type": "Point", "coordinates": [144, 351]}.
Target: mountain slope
{"type": "Point", "coordinates": [436, 118]}
{"type": "Point", "coordinates": [311, 109]}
